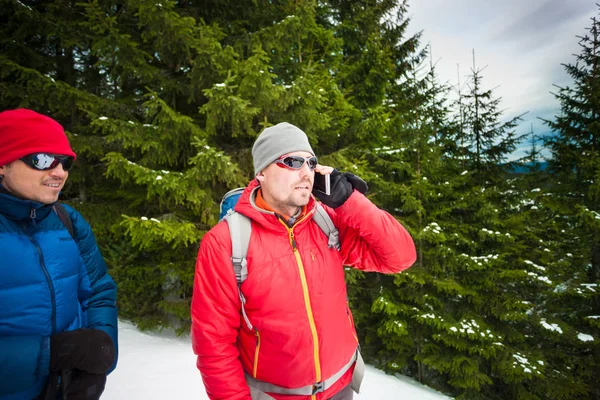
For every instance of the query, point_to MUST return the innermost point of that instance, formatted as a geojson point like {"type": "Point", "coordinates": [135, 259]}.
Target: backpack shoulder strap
{"type": "Point", "coordinates": [326, 224]}
{"type": "Point", "coordinates": [63, 214]}
{"type": "Point", "coordinates": [240, 229]}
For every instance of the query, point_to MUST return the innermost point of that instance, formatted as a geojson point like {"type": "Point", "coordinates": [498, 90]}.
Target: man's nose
{"type": "Point", "coordinates": [58, 171]}
{"type": "Point", "coordinates": [305, 170]}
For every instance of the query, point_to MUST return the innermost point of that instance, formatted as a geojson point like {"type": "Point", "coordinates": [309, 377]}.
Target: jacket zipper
{"type": "Point", "coordinates": [45, 271]}
{"type": "Point", "coordinates": [311, 319]}
{"type": "Point", "coordinates": [255, 367]}
{"type": "Point", "coordinates": [351, 320]}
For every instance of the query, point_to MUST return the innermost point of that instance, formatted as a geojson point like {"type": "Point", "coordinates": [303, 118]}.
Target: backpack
{"type": "Point", "coordinates": [63, 214]}
{"type": "Point", "coordinates": [240, 229]}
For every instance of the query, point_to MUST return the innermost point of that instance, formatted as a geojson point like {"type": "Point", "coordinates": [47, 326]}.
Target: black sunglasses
{"type": "Point", "coordinates": [46, 162]}
{"type": "Point", "coordinates": [296, 162]}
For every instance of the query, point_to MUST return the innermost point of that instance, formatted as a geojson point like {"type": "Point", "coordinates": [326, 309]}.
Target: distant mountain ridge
{"type": "Point", "coordinates": [523, 168]}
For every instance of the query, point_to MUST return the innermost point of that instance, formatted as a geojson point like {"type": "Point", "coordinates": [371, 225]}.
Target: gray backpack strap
{"type": "Point", "coordinates": [240, 229]}
{"type": "Point", "coordinates": [326, 224]}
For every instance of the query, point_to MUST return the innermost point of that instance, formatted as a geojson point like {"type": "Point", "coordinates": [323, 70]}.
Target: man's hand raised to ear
{"type": "Point", "coordinates": [342, 185]}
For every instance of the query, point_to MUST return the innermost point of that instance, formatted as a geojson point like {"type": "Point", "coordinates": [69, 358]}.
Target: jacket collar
{"type": "Point", "coordinates": [19, 209]}
{"type": "Point", "coordinates": [246, 205]}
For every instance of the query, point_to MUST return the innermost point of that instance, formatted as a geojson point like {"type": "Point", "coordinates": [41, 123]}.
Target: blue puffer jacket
{"type": "Point", "coordinates": [49, 283]}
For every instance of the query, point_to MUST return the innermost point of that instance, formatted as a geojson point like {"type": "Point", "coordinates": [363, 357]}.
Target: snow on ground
{"type": "Point", "coordinates": [163, 366]}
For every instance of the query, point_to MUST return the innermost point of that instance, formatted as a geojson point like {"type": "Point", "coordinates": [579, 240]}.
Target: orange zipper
{"type": "Point", "coordinates": [351, 322]}
{"type": "Point", "coordinates": [255, 367]}
{"type": "Point", "coordinates": [311, 319]}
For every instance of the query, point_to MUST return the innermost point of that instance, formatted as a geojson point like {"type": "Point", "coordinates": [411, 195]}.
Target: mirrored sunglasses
{"type": "Point", "coordinates": [45, 162]}
{"type": "Point", "coordinates": [296, 162]}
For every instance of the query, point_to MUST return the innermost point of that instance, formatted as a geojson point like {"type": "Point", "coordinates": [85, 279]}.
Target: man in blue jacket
{"type": "Point", "coordinates": [58, 317]}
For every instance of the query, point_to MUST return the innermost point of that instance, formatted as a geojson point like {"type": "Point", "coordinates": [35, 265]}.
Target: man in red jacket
{"type": "Point", "coordinates": [296, 339]}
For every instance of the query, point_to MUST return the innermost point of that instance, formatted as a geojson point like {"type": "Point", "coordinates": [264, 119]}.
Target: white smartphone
{"type": "Point", "coordinates": [322, 183]}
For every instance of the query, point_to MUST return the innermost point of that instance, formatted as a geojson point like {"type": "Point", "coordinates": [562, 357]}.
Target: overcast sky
{"type": "Point", "coordinates": [521, 44]}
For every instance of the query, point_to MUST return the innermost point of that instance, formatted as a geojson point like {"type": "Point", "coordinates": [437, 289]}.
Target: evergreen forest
{"type": "Point", "coordinates": [163, 99]}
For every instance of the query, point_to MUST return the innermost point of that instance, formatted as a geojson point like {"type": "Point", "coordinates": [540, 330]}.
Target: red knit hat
{"type": "Point", "coordinates": [24, 132]}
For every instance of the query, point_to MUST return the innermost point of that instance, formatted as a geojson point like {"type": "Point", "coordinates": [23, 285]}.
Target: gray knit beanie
{"type": "Point", "coordinates": [276, 141]}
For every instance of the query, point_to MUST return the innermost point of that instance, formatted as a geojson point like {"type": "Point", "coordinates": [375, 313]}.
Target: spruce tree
{"type": "Point", "coordinates": [458, 305]}
{"type": "Point", "coordinates": [487, 140]}
{"type": "Point", "coordinates": [575, 200]}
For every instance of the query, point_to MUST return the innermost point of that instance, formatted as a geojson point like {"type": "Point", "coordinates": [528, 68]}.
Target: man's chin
{"type": "Point", "coordinates": [48, 200]}
{"type": "Point", "coordinates": [303, 201]}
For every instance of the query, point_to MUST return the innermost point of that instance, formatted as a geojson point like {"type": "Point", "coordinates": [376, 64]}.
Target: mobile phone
{"type": "Point", "coordinates": [322, 183]}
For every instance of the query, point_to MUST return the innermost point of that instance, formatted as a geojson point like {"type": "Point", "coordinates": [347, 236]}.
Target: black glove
{"type": "Point", "coordinates": [342, 185]}
{"type": "Point", "coordinates": [81, 385]}
{"type": "Point", "coordinates": [89, 350]}
{"type": "Point", "coordinates": [357, 183]}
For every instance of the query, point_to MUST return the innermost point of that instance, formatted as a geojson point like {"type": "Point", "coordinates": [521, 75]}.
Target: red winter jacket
{"type": "Point", "coordinates": [296, 297]}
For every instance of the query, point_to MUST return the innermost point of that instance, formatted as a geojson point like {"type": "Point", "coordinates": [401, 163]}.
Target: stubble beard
{"type": "Point", "coordinates": [50, 198]}
{"type": "Point", "coordinates": [293, 202]}
{"type": "Point", "coordinates": [46, 199]}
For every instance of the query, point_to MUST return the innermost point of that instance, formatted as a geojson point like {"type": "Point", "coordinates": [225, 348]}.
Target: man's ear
{"type": "Point", "coordinates": [260, 177]}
